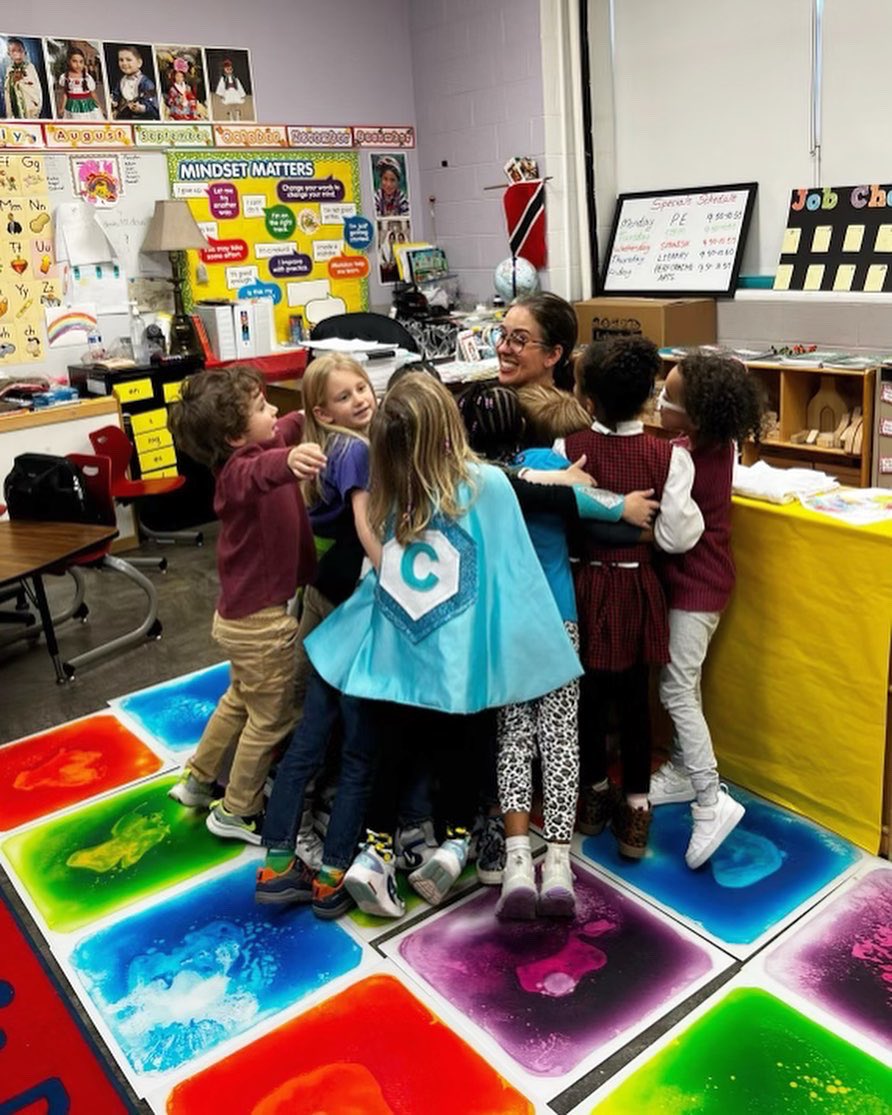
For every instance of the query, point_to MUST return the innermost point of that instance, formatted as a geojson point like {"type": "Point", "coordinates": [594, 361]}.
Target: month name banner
{"type": "Point", "coordinates": [275, 228]}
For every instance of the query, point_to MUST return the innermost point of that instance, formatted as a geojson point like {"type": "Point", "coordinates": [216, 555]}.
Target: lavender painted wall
{"type": "Point", "coordinates": [341, 62]}
{"type": "Point", "coordinates": [478, 100]}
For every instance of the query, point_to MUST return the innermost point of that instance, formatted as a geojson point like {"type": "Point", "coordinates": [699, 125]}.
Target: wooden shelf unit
{"type": "Point", "coordinates": [788, 388]}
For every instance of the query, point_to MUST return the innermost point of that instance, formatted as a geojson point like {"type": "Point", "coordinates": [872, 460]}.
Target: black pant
{"type": "Point", "coordinates": [628, 692]}
{"type": "Point", "coordinates": [454, 747]}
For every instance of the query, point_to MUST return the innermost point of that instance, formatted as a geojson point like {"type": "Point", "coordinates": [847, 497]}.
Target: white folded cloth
{"type": "Point", "coordinates": [780, 485]}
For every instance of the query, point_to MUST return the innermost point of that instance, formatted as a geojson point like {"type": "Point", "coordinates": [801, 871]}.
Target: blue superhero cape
{"type": "Point", "coordinates": [459, 620]}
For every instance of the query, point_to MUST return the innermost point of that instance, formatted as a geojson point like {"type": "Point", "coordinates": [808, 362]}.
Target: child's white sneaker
{"type": "Point", "coordinates": [187, 790]}
{"type": "Point", "coordinates": [712, 825]}
{"type": "Point", "coordinates": [435, 878]}
{"type": "Point", "coordinates": [517, 901]}
{"type": "Point", "coordinates": [308, 846]}
{"type": "Point", "coordinates": [371, 878]}
{"type": "Point", "coordinates": [414, 845]}
{"type": "Point", "coordinates": [557, 898]}
{"type": "Point", "coordinates": [670, 784]}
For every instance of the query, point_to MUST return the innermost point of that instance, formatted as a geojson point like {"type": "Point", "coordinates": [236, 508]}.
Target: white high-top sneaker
{"type": "Point", "coordinates": [556, 896]}
{"type": "Point", "coordinates": [371, 878]}
{"type": "Point", "coordinates": [308, 846]}
{"type": "Point", "coordinates": [517, 901]}
{"type": "Point", "coordinates": [434, 879]}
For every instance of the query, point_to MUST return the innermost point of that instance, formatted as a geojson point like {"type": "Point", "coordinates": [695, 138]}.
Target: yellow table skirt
{"type": "Point", "coordinates": [796, 685]}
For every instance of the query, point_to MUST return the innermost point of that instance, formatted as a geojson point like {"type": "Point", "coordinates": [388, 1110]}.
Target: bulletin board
{"type": "Point", "coordinates": [676, 243]}
{"type": "Point", "coordinates": [838, 238]}
{"type": "Point", "coordinates": [275, 224]}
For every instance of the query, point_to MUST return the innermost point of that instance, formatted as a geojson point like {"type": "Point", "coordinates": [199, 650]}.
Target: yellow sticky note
{"type": "Point", "coordinates": [845, 274]}
{"type": "Point", "coordinates": [783, 276]}
{"type": "Point", "coordinates": [791, 241]}
{"type": "Point", "coordinates": [814, 276]}
{"type": "Point", "coordinates": [854, 236]}
{"type": "Point", "coordinates": [884, 239]}
{"type": "Point", "coordinates": [876, 276]}
{"type": "Point", "coordinates": [820, 241]}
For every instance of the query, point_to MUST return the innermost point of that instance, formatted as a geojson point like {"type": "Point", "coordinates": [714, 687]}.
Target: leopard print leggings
{"type": "Point", "coordinates": [550, 722]}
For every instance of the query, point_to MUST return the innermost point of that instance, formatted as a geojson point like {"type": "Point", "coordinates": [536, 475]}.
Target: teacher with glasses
{"type": "Point", "coordinates": [535, 342]}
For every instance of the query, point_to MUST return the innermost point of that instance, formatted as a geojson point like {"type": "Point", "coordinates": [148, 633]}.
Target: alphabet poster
{"type": "Point", "coordinates": [837, 238]}
{"type": "Point", "coordinates": [275, 228]}
{"type": "Point", "coordinates": [29, 282]}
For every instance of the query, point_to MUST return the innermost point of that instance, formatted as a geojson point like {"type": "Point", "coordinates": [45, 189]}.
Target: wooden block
{"type": "Point", "coordinates": [811, 437]}
{"type": "Point", "coordinates": [800, 437]}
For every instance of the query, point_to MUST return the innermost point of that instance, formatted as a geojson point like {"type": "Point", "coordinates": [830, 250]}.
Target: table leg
{"type": "Point", "coordinates": [49, 632]}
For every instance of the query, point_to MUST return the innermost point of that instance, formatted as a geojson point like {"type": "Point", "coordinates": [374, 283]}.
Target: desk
{"type": "Point", "coordinates": [28, 550]}
{"type": "Point", "coordinates": [796, 683]}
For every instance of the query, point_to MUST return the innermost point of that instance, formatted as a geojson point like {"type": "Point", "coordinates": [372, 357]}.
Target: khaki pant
{"type": "Point", "coordinates": [257, 710]}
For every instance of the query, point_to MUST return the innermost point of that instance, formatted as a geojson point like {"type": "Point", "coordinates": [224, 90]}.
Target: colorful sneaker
{"type": "Point", "coordinates": [712, 825]}
{"type": "Point", "coordinates": [331, 902]}
{"type": "Point", "coordinates": [670, 784]}
{"type": "Point", "coordinates": [414, 845]}
{"type": "Point", "coordinates": [230, 826]}
{"type": "Point", "coordinates": [189, 791]}
{"type": "Point", "coordinates": [371, 878]}
{"type": "Point", "coordinates": [557, 898]}
{"type": "Point", "coordinates": [282, 888]}
{"type": "Point", "coordinates": [595, 808]}
{"type": "Point", "coordinates": [630, 827]}
{"type": "Point", "coordinates": [436, 877]}
{"type": "Point", "coordinates": [308, 846]}
{"type": "Point", "coordinates": [491, 850]}
{"type": "Point", "coordinates": [517, 902]}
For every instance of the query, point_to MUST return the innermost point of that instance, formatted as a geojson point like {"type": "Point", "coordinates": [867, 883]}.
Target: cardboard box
{"type": "Point", "coordinates": [665, 321]}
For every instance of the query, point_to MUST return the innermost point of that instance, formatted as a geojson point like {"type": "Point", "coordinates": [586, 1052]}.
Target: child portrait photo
{"type": "Point", "coordinates": [23, 78]}
{"type": "Point", "coordinates": [132, 81]}
{"type": "Point", "coordinates": [76, 77]}
{"type": "Point", "coordinates": [230, 84]}
{"type": "Point", "coordinates": [182, 82]}
{"type": "Point", "coordinates": [390, 186]}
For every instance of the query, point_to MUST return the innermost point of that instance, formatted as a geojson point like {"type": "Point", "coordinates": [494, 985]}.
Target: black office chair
{"type": "Point", "coordinates": [364, 327]}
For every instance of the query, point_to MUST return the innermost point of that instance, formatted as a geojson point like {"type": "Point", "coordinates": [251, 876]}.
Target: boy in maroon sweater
{"type": "Point", "coordinates": [264, 552]}
{"type": "Point", "coordinates": [714, 402]}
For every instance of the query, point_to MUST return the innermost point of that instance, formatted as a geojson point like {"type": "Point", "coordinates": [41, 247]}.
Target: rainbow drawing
{"type": "Point", "coordinates": [75, 319]}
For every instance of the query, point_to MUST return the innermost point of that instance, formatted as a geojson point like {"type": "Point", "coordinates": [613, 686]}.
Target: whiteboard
{"type": "Point", "coordinates": [679, 242]}
{"type": "Point", "coordinates": [720, 91]}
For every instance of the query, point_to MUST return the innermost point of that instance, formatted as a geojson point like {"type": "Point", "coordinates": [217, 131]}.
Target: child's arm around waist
{"type": "Point", "coordinates": [679, 525]}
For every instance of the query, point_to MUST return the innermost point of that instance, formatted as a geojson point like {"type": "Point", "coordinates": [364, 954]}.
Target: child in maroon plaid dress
{"type": "Point", "coordinates": [623, 617]}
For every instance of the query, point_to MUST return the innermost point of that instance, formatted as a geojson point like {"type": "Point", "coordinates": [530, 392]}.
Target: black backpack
{"type": "Point", "coordinates": [48, 489]}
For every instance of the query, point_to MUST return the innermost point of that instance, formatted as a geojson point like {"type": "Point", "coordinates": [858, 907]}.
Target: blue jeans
{"type": "Point", "coordinates": [323, 706]}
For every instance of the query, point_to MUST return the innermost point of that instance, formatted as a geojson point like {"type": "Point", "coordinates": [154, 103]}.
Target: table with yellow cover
{"type": "Point", "coordinates": [797, 682]}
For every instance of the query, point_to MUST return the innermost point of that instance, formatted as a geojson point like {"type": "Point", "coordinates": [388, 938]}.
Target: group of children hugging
{"type": "Point", "coordinates": [485, 581]}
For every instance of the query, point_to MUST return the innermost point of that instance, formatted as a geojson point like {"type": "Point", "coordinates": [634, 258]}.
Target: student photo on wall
{"type": "Point", "coordinates": [390, 186]}
{"type": "Point", "coordinates": [392, 232]}
{"type": "Point", "coordinates": [132, 81]}
{"type": "Point", "coordinates": [181, 76]}
{"type": "Point", "coordinates": [230, 84]}
{"type": "Point", "coordinates": [76, 77]}
{"type": "Point", "coordinates": [23, 78]}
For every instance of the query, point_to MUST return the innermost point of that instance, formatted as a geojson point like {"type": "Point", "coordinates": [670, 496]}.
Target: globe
{"type": "Point", "coordinates": [514, 278]}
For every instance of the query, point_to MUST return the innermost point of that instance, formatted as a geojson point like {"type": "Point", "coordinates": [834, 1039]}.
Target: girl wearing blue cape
{"type": "Point", "coordinates": [457, 618]}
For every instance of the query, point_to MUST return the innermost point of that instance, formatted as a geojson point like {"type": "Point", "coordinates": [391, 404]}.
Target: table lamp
{"type": "Point", "coordinates": [173, 229]}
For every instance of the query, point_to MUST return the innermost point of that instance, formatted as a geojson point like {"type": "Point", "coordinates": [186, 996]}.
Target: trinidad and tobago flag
{"type": "Point", "coordinates": [525, 215]}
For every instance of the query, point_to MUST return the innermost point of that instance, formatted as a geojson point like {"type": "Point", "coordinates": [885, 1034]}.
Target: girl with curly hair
{"type": "Point", "coordinates": [623, 620]}
{"type": "Point", "coordinates": [713, 402]}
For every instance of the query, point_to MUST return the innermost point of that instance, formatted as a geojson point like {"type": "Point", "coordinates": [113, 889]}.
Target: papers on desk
{"type": "Point", "coordinates": [780, 485]}
{"type": "Point", "coordinates": [858, 507]}
{"type": "Point", "coordinates": [352, 347]}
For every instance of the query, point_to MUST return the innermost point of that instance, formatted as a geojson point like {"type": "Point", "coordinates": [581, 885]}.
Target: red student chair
{"type": "Point", "coordinates": [96, 472]}
{"type": "Point", "coordinates": [112, 442]}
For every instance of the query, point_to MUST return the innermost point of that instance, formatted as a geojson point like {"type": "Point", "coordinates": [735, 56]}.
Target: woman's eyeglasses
{"type": "Point", "coordinates": [515, 342]}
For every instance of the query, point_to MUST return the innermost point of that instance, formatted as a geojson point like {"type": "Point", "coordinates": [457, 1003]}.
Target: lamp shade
{"type": "Point", "coordinates": [173, 228]}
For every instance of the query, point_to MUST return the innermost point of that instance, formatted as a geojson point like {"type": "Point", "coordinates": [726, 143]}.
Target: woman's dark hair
{"type": "Point", "coordinates": [493, 419]}
{"type": "Point", "coordinates": [557, 320]}
{"type": "Point", "coordinates": [723, 401]}
{"type": "Point", "coordinates": [618, 376]}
